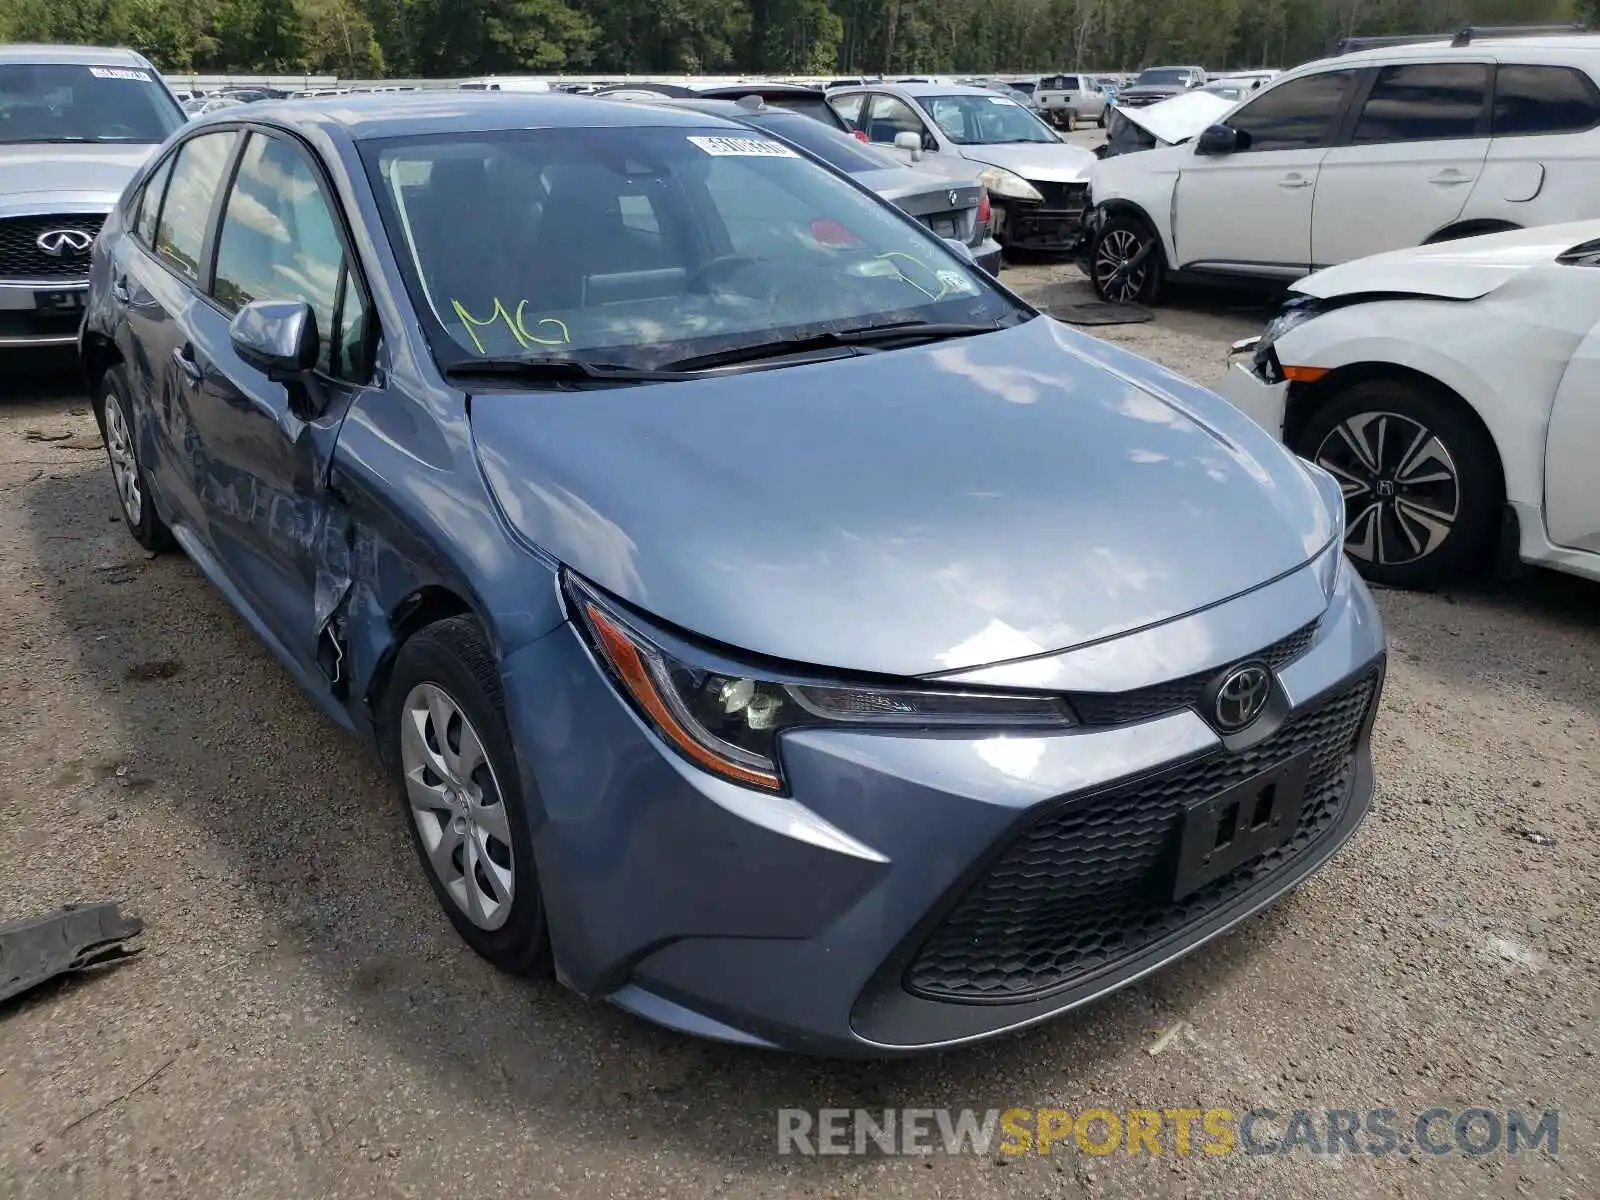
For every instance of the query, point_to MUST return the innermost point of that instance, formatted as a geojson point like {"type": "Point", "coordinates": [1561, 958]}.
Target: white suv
{"type": "Point", "coordinates": [1356, 154]}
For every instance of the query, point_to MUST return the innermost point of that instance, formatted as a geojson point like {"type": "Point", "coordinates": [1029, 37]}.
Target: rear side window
{"type": "Point", "coordinates": [1424, 102]}
{"type": "Point", "coordinates": [196, 177]}
{"type": "Point", "coordinates": [144, 224]}
{"type": "Point", "coordinates": [1543, 100]}
{"type": "Point", "coordinates": [1294, 115]}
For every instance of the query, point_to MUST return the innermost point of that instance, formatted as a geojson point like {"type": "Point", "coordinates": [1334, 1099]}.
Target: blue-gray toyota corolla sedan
{"type": "Point", "coordinates": [773, 625]}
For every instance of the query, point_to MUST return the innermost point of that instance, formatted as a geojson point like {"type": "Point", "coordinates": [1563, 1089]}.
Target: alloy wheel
{"type": "Point", "coordinates": [457, 806]}
{"type": "Point", "coordinates": [124, 466]}
{"type": "Point", "coordinates": [1119, 277]}
{"type": "Point", "coordinates": [1402, 491]}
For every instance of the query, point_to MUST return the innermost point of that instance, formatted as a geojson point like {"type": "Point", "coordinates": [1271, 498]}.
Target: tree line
{"type": "Point", "coordinates": [451, 38]}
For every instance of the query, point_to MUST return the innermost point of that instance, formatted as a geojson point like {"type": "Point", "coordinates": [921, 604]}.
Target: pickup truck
{"type": "Point", "coordinates": [1070, 100]}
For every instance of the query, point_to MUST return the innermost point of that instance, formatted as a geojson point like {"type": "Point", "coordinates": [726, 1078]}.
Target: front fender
{"type": "Point", "coordinates": [1503, 364]}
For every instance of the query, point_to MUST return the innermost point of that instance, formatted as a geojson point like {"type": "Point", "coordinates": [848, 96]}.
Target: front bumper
{"type": "Point", "coordinates": [24, 324]}
{"type": "Point", "coordinates": [1264, 403]}
{"type": "Point", "coordinates": [1058, 226]}
{"type": "Point", "coordinates": [805, 922]}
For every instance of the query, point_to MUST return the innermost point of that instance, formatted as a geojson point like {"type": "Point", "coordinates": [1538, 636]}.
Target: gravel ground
{"type": "Point", "coordinates": [304, 1023]}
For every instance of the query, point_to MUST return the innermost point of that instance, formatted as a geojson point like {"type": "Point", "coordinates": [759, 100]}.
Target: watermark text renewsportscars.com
{"type": "Point", "coordinates": [1437, 1131]}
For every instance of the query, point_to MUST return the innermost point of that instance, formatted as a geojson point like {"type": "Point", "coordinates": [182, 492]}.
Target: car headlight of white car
{"type": "Point", "coordinates": [1295, 312]}
{"type": "Point", "coordinates": [1008, 185]}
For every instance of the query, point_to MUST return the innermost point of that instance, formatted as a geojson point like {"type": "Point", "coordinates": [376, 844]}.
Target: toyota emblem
{"type": "Point", "coordinates": [1241, 696]}
{"type": "Point", "coordinates": [59, 243]}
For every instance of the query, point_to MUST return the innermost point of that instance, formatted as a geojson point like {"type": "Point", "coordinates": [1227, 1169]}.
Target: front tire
{"type": "Point", "coordinates": [1421, 480]}
{"type": "Point", "coordinates": [1126, 264]}
{"type": "Point", "coordinates": [134, 499]}
{"type": "Point", "coordinates": [462, 795]}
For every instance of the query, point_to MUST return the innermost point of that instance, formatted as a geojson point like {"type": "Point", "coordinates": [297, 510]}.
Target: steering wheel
{"type": "Point", "coordinates": [720, 267]}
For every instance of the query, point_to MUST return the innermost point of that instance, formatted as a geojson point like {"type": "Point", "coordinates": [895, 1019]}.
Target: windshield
{"type": "Point", "coordinates": [815, 107]}
{"type": "Point", "coordinates": [985, 120]}
{"type": "Point", "coordinates": [61, 102]}
{"type": "Point", "coordinates": [836, 149]}
{"type": "Point", "coordinates": [645, 246]}
{"type": "Point", "coordinates": [1022, 85]}
{"type": "Point", "coordinates": [1163, 77]}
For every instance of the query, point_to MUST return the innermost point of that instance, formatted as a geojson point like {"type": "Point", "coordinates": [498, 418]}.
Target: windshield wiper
{"type": "Point", "coordinates": [559, 370]}
{"type": "Point", "coordinates": [866, 337]}
{"type": "Point", "coordinates": [62, 140]}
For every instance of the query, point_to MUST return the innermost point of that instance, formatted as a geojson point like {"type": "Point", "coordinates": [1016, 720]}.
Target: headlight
{"type": "Point", "coordinates": [1009, 184]}
{"type": "Point", "coordinates": [1332, 556]}
{"type": "Point", "coordinates": [727, 721]}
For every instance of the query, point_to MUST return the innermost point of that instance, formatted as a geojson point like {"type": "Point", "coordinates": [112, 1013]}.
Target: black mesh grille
{"type": "Point", "coordinates": [1090, 884]}
{"type": "Point", "coordinates": [1123, 708]}
{"type": "Point", "coordinates": [21, 258]}
{"type": "Point", "coordinates": [1070, 196]}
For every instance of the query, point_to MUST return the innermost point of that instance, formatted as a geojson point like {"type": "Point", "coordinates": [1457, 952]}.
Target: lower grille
{"type": "Point", "coordinates": [1089, 885]}
{"type": "Point", "coordinates": [1141, 704]}
{"type": "Point", "coordinates": [21, 257]}
{"type": "Point", "coordinates": [1071, 197]}
{"type": "Point", "coordinates": [24, 324]}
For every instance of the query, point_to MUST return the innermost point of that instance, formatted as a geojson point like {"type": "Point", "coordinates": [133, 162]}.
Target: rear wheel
{"type": "Point", "coordinates": [1125, 262]}
{"type": "Point", "coordinates": [128, 478]}
{"type": "Point", "coordinates": [1420, 476]}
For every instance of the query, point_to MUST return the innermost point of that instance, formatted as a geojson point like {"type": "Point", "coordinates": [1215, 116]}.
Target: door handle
{"type": "Point", "coordinates": [119, 288]}
{"type": "Point", "coordinates": [1290, 182]}
{"type": "Point", "coordinates": [187, 363]}
{"type": "Point", "coordinates": [1450, 177]}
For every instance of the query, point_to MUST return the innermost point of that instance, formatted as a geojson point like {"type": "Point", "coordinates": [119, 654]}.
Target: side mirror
{"type": "Point", "coordinates": [962, 250]}
{"type": "Point", "coordinates": [278, 337]}
{"type": "Point", "coordinates": [910, 143]}
{"type": "Point", "coordinates": [1218, 139]}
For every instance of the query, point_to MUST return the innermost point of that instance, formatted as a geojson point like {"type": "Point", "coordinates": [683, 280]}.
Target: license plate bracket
{"type": "Point", "coordinates": [1234, 826]}
{"type": "Point", "coordinates": [60, 300]}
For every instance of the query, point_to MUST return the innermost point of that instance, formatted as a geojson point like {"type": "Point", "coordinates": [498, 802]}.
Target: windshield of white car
{"type": "Point", "coordinates": [1162, 77]}
{"type": "Point", "coordinates": [985, 120]}
{"type": "Point", "coordinates": [66, 102]}
{"type": "Point", "coordinates": [641, 246]}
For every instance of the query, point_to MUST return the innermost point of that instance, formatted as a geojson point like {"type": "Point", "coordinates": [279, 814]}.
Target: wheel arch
{"type": "Point", "coordinates": [1472, 228]}
{"type": "Point", "coordinates": [1305, 399]}
{"type": "Point", "coordinates": [97, 354]}
{"type": "Point", "coordinates": [419, 608]}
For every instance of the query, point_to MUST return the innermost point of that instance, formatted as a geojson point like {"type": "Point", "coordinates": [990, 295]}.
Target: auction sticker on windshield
{"type": "Point", "coordinates": [735, 147]}
{"type": "Point", "coordinates": [120, 73]}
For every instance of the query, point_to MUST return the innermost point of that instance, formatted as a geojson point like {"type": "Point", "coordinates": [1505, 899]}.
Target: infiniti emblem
{"type": "Point", "coordinates": [58, 243]}
{"type": "Point", "coordinates": [1241, 696]}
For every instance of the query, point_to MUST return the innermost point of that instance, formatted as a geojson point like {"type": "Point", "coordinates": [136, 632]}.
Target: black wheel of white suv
{"type": "Point", "coordinates": [1420, 475]}
{"type": "Point", "coordinates": [1125, 262]}
{"type": "Point", "coordinates": [128, 479]}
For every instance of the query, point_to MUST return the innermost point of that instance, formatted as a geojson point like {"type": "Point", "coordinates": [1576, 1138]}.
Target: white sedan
{"type": "Point", "coordinates": [1454, 391]}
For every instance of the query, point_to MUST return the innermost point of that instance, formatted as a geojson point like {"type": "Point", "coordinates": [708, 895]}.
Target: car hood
{"type": "Point", "coordinates": [1150, 91]}
{"type": "Point", "coordinates": [1180, 117]}
{"type": "Point", "coordinates": [83, 173]}
{"type": "Point", "coordinates": [1049, 162]}
{"type": "Point", "coordinates": [910, 512]}
{"type": "Point", "coordinates": [1459, 270]}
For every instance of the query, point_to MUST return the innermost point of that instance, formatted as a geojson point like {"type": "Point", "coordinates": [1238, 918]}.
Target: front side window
{"type": "Point", "coordinates": [985, 120]}
{"type": "Point", "coordinates": [279, 239]}
{"type": "Point", "coordinates": [196, 179]}
{"type": "Point", "coordinates": [1421, 102]}
{"type": "Point", "coordinates": [1543, 100]}
{"type": "Point", "coordinates": [1294, 115]}
{"type": "Point", "coordinates": [62, 102]}
{"type": "Point", "coordinates": [752, 242]}
{"type": "Point", "coordinates": [892, 116]}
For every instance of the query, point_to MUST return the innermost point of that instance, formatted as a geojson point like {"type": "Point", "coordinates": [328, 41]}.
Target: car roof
{"type": "Point", "coordinates": [1580, 43]}
{"type": "Point", "coordinates": [85, 56]}
{"type": "Point", "coordinates": [923, 89]}
{"type": "Point", "coordinates": [395, 114]}
{"type": "Point", "coordinates": [758, 89]}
